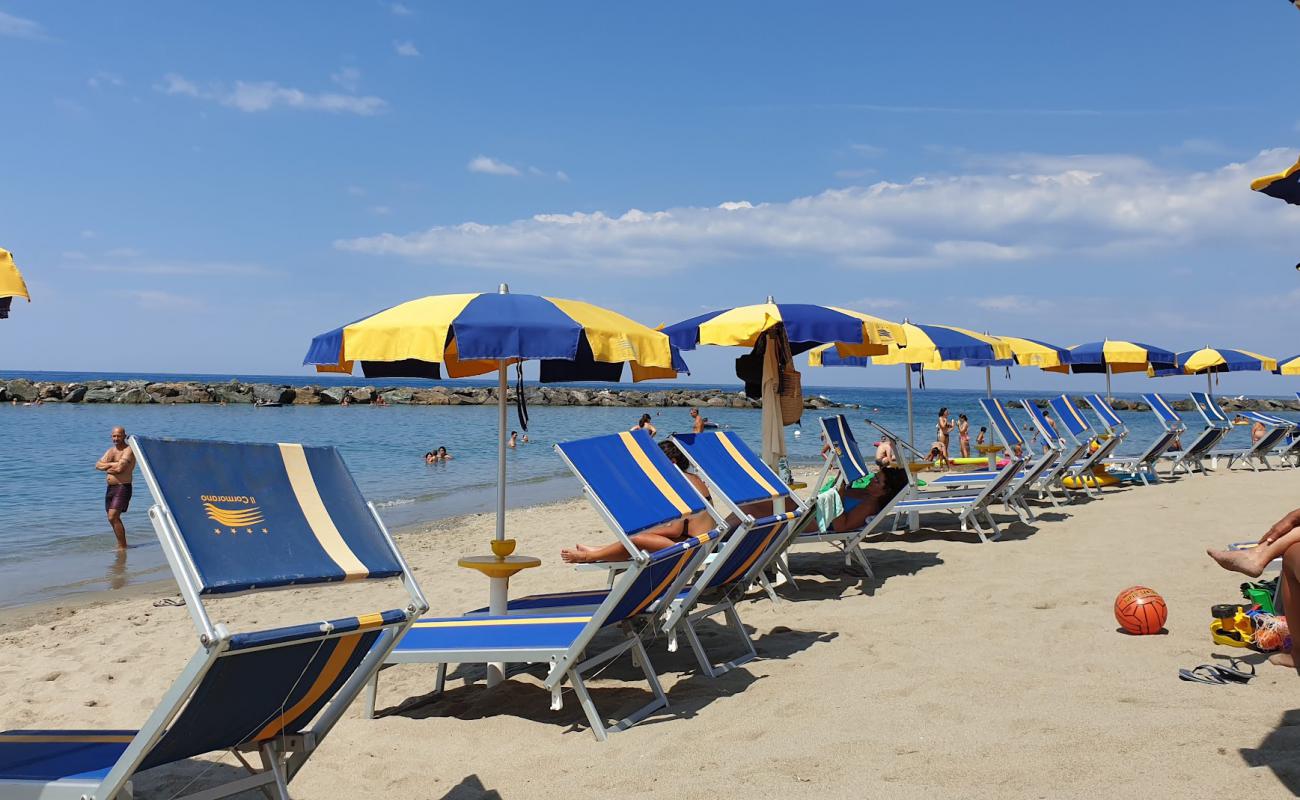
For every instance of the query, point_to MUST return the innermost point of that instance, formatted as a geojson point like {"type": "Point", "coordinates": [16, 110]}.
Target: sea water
{"type": "Point", "coordinates": [55, 540]}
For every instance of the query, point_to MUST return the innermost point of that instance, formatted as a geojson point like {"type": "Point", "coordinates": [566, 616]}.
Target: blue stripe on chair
{"type": "Point", "coordinates": [492, 633]}
{"type": "Point", "coordinates": [1036, 414]}
{"type": "Point", "coordinates": [500, 326]}
{"type": "Point", "coordinates": [664, 568]}
{"type": "Point", "coordinates": [1208, 407]}
{"type": "Point", "coordinates": [933, 502]}
{"type": "Point", "coordinates": [1104, 410]}
{"type": "Point", "coordinates": [244, 641]}
{"type": "Point", "coordinates": [845, 445]}
{"type": "Point", "coordinates": [997, 414]}
{"type": "Point", "coordinates": [246, 697]}
{"type": "Point", "coordinates": [1069, 416]}
{"type": "Point", "coordinates": [765, 534]}
{"type": "Point", "coordinates": [54, 755]}
{"type": "Point", "coordinates": [732, 466]}
{"type": "Point", "coordinates": [544, 602]}
{"type": "Point", "coordinates": [253, 517]}
{"type": "Point", "coordinates": [633, 479]}
{"type": "Point", "coordinates": [1162, 408]}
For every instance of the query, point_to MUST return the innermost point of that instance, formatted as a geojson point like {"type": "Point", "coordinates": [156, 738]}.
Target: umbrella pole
{"type": "Point", "coordinates": [1209, 387]}
{"type": "Point", "coordinates": [988, 381]}
{"type": "Point", "coordinates": [498, 593]}
{"type": "Point", "coordinates": [1108, 383]}
{"type": "Point", "coordinates": [911, 422]}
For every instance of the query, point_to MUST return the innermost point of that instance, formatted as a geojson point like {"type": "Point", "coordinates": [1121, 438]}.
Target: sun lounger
{"type": "Point", "coordinates": [1142, 464]}
{"type": "Point", "coordinates": [1068, 451]}
{"type": "Point", "coordinates": [1192, 457]}
{"type": "Point", "coordinates": [1077, 427]}
{"type": "Point", "coordinates": [635, 488]}
{"type": "Point", "coordinates": [969, 504]}
{"type": "Point", "coordinates": [234, 519]}
{"type": "Point", "coordinates": [1257, 452]}
{"type": "Point", "coordinates": [737, 479]}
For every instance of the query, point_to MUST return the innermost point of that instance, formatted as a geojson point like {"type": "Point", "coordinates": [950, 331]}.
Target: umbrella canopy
{"type": "Point", "coordinates": [1283, 185]}
{"type": "Point", "coordinates": [11, 282]}
{"type": "Point", "coordinates": [803, 325]}
{"type": "Point", "coordinates": [1288, 366]}
{"type": "Point", "coordinates": [1030, 353]}
{"type": "Point", "coordinates": [1113, 357]}
{"type": "Point", "coordinates": [1223, 359]}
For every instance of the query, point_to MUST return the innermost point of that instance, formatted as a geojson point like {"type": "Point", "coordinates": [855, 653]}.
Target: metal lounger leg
{"type": "Point", "coordinates": [598, 727]}
{"type": "Point", "coordinates": [372, 692]}
{"type": "Point", "coordinates": [440, 682]}
{"type": "Point", "coordinates": [855, 550]}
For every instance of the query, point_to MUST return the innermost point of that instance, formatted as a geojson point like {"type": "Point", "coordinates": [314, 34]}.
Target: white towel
{"type": "Point", "coordinates": [829, 506]}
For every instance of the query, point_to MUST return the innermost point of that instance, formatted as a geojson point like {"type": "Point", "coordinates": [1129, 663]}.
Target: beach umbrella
{"type": "Point", "coordinates": [941, 347]}
{"type": "Point", "coordinates": [1113, 357]}
{"type": "Point", "coordinates": [1024, 353]}
{"type": "Point", "coordinates": [1209, 361]}
{"type": "Point", "coordinates": [1288, 366]}
{"type": "Point", "coordinates": [1284, 185]}
{"type": "Point", "coordinates": [11, 282]}
{"type": "Point", "coordinates": [803, 325]}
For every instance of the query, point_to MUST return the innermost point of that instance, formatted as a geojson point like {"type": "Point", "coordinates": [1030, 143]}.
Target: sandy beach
{"type": "Point", "coordinates": [963, 670]}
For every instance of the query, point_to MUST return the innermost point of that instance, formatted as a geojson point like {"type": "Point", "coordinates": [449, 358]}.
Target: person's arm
{"type": "Point", "coordinates": [1282, 527]}
{"type": "Point", "coordinates": [103, 463]}
{"type": "Point", "coordinates": [124, 464]}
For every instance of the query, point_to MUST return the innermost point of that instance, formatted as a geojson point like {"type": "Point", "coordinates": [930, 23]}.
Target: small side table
{"type": "Point", "coordinates": [499, 568]}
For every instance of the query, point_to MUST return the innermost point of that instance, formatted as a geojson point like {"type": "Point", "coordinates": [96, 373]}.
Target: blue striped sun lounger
{"type": "Point", "coordinates": [236, 519]}
{"type": "Point", "coordinates": [969, 504]}
{"type": "Point", "coordinates": [1068, 451]}
{"type": "Point", "coordinates": [1192, 457]}
{"type": "Point", "coordinates": [739, 481]}
{"type": "Point", "coordinates": [635, 488]}
{"type": "Point", "coordinates": [1143, 464]}
{"type": "Point", "coordinates": [1078, 429]}
{"type": "Point", "coordinates": [1258, 451]}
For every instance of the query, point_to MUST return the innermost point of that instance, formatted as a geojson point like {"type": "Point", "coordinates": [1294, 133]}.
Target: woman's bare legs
{"type": "Point", "coordinates": [1284, 533]}
{"type": "Point", "coordinates": [586, 554]}
{"type": "Point", "coordinates": [1291, 605]}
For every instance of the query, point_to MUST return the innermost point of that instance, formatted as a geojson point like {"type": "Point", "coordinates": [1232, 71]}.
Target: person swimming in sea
{"type": "Point", "coordinates": [644, 424]}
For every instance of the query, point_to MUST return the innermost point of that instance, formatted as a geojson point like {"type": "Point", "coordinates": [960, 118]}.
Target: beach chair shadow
{"type": "Point", "coordinates": [471, 788]}
{"type": "Point", "coordinates": [1279, 751]}
{"type": "Point", "coordinates": [836, 582]}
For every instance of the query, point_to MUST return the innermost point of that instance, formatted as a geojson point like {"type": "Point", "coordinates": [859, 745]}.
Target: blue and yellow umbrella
{"type": "Point", "coordinates": [1288, 366]}
{"type": "Point", "coordinates": [1112, 356]}
{"type": "Point", "coordinates": [475, 334]}
{"type": "Point", "coordinates": [11, 282]}
{"type": "Point", "coordinates": [1284, 185]}
{"type": "Point", "coordinates": [1210, 361]}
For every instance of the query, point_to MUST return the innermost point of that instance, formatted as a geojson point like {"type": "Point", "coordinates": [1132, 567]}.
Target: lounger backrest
{"type": "Point", "coordinates": [665, 570]}
{"type": "Point", "coordinates": [753, 548]}
{"type": "Point", "coordinates": [269, 684]}
{"type": "Point", "coordinates": [631, 480]}
{"type": "Point", "coordinates": [1005, 476]}
{"type": "Point", "coordinates": [1163, 411]}
{"type": "Point", "coordinates": [1069, 416]}
{"type": "Point", "coordinates": [1108, 416]}
{"type": "Point", "coordinates": [1210, 410]}
{"type": "Point", "coordinates": [731, 466]}
{"type": "Point", "coordinates": [256, 516]}
{"type": "Point", "coordinates": [1001, 420]}
{"type": "Point", "coordinates": [1040, 422]}
{"type": "Point", "coordinates": [840, 437]}
{"type": "Point", "coordinates": [1266, 419]}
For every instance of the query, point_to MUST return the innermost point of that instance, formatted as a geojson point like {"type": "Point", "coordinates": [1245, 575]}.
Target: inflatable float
{"type": "Point", "coordinates": [1100, 477]}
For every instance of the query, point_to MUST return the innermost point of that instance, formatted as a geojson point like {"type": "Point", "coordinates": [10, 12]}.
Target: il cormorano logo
{"type": "Point", "coordinates": [244, 515]}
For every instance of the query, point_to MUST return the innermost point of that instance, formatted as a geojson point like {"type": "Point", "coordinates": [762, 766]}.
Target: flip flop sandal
{"type": "Point", "coordinates": [1234, 671]}
{"type": "Point", "coordinates": [1205, 673]}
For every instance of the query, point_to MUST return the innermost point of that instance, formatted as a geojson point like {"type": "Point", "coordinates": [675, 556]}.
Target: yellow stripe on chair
{"type": "Point", "coordinates": [643, 461]}
{"type": "Point", "coordinates": [763, 483]}
{"type": "Point", "coordinates": [333, 666]}
{"type": "Point", "coordinates": [318, 517]}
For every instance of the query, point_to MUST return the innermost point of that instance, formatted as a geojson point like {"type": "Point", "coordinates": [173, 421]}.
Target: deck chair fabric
{"type": "Point", "coordinates": [1143, 463]}
{"type": "Point", "coordinates": [1257, 454]}
{"type": "Point", "coordinates": [1192, 457]}
{"type": "Point", "coordinates": [1252, 456]}
{"type": "Point", "coordinates": [1081, 432]}
{"type": "Point", "coordinates": [239, 518]}
{"type": "Point", "coordinates": [1069, 451]}
{"type": "Point", "coordinates": [635, 487]}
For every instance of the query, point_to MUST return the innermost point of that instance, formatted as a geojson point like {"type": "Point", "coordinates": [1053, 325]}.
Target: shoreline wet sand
{"type": "Point", "coordinates": [972, 670]}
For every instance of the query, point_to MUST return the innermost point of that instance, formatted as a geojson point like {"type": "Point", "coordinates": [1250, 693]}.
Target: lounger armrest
{"type": "Point", "coordinates": [314, 630]}
{"type": "Point", "coordinates": [617, 566]}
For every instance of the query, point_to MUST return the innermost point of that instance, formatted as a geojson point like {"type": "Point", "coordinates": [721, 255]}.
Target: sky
{"type": "Point", "coordinates": [204, 187]}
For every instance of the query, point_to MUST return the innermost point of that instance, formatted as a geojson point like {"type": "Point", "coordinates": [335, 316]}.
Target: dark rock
{"type": "Point", "coordinates": [263, 393]}
{"type": "Point", "coordinates": [363, 394]}
{"type": "Point", "coordinates": [333, 395]}
{"type": "Point", "coordinates": [306, 396]}
{"type": "Point", "coordinates": [22, 390]}
{"type": "Point", "coordinates": [103, 395]}
{"type": "Point", "coordinates": [135, 395]}
{"type": "Point", "coordinates": [75, 394]}
{"type": "Point", "coordinates": [398, 396]}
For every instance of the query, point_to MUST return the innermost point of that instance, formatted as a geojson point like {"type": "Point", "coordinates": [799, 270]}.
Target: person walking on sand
{"type": "Point", "coordinates": [963, 435]}
{"type": "Point", "coordinates": [697, 422]}
{"type": "Point", "coordinates": [117, 464]}
{"type": "Point", "coordinates": [1277, 542]}
{"type": "Point", "coordinates": [644, 425]}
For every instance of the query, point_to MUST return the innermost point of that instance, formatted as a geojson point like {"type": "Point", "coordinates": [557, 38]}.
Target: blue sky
{"type": "Point", "coordinates": [204, 187]}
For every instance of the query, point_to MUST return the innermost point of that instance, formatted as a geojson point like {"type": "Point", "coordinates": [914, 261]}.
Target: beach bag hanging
{"type": "Point", "coordinates": [791, 393]}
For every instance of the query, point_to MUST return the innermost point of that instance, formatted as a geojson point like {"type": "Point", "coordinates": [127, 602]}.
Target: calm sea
{"type": "Point", "coordinates": [55, 541]}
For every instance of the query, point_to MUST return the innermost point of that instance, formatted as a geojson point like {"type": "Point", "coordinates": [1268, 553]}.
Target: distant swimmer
{"type": "Point", "coordinates": [430, 457]}
{"type": "Point", "coordinates": [117, 464]}
{"type": "Point", "coordinates": [697, 422]}
{"type": "Point", "coordinates": [443, 455]}
{"type": "Point", "coordinates": [514, 439]}
{"type": "Point", "coordinates": [644, 424]}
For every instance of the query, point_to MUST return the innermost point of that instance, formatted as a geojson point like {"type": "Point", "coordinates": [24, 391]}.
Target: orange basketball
{"type": "Point", "coordinates": [1140, 610]}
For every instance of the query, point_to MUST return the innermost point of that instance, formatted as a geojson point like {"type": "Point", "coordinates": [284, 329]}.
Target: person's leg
{"type": "Point", "coordinates": [1253, 561]}
{"type": "Point", "coordinates": [119, 530]}
{"type": "Point", "coordinates": [1291, 605]}
{"type": "Point", "coordinates": [585, 554]}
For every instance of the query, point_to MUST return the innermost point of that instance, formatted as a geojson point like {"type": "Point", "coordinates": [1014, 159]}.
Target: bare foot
{"type": "Point", "coordinates": [583, 548]}
{"type": "Point", "coordinates": [1282, 660]}
{"type": "Point", "coordinates": [1242, 561]}
{"type": "Point", "coordinates": [576, 556]}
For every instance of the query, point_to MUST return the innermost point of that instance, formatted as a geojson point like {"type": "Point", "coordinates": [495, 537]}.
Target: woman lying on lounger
{"type": "Point", "coordinates": [1277, 542]}
{"type": "Point", "coordinates": [863, 504]}
{"type": "Point", "coordinates": [655, 538]}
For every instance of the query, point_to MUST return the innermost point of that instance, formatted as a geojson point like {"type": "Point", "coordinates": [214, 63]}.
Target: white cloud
{"type": "Point", "coordinates": [400, 9]}
{"type": "Point", "coordinates": [1015, 304]}
{"type": "Point", "coordinates": [1024, 208]}
{"type": "Point", "coordinates": [854, 174]}
{"type": "Point", "coordinates": [88, 234]}
{"type": "Point", "coordinates": [380, 211]}
{"type": "Point", "coordinates": [266, 95]}
{"type": "Point", "coordinates": [561, 176]}
{"type": "Point", "coordinates": [407, 49]}
{"type": "Point", "coordinates": [357, 191]}
{"type": "Point", "coordinates": [20, 28]}
{"type": "Point", "coordinates": [348, 78]}
{"type": "Point", "coordinates": [104, 80]}
{"type": "Point", "coordinates": [127, 263]}
{"type": "Point", "coordinates": [867, 150]}
{"type": "Point", "coordinates": [155, 300]}
{"type": "Point", "coordinates": [490, 166]}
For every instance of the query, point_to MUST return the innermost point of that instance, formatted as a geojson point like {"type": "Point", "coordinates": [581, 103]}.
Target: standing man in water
{"type": "Point", "coordinates": [117, 464]}
{"type": "Point", "coordinates": [697, 422]}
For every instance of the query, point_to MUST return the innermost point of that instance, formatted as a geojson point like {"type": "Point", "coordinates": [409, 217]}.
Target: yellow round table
{"type": "Point", "coordinates": [499, 569]}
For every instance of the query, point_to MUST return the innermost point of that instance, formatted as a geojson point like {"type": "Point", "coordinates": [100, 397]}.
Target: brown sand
{"type": "Point", "coordinates": [964, 670]}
